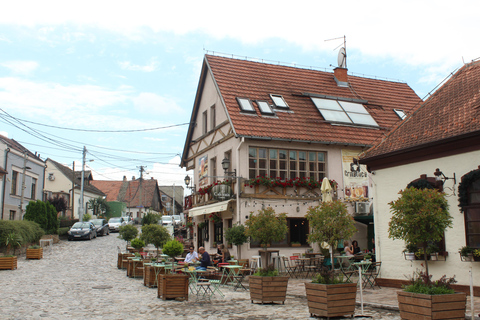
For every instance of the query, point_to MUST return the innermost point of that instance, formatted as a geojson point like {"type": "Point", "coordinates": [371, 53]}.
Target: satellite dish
{"type": "Point", "coordinates": [342, 58]}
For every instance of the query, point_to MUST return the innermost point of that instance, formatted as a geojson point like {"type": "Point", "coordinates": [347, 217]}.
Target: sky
{"type": "Point", "coordinates": [120, 77]}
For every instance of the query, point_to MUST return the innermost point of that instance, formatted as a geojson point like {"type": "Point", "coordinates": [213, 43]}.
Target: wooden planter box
{"type": "Point", "coordinates": [331, 300]}
{"type": "Point", "coordinates": [268, 289]}
{"type": "Point", "coordinates": [149, 276]}
{"type": "Point", "coordinates": [35, 253]}
{"type": "Point", "coordinates": [136, 272]}
{"type": "Point", "coordinates": [8, 263]}
{"type": "Point", "coordinates": [122, 260]}
{"type": "Point", "coordinates": [424, 306]}
{"type": "Point", "coordinates": [172, 286]}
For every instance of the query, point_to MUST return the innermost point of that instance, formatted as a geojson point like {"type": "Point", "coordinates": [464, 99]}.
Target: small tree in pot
{"type": "Point", "coordinates": [127, 233]}
{"type": "Point", "coordinates": [156, 235]}
{"type": "Point", "coordinates": [236, 235]}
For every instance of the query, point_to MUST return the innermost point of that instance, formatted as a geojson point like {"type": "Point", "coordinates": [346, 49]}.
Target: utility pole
{"type": "Point", "coordinates": [140, 205]}
{"type": "Point", "coordinates": [22, 192]}
{"type": "Point", "coordinates": [173, 199]}
{"type": "Point", "coordinates": [73, 191]}
{"type": "Point", "coordinates": [80, 208]}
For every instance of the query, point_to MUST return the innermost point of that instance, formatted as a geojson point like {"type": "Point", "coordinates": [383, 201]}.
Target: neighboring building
{"type": "Point", "coordinates": [138, 195]}
{"type": "Point", "coordinates": [23, 168]}
{"type": "Point", "coordinates": [441, 136]}
{"type": "Point", "coordinates": [277, 121]}
{"type": "Point", "coordinates": [168, 195]}
{"type": "Point", "coordinates": [62, 181]}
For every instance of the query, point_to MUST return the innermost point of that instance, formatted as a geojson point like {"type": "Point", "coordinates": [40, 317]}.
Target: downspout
{"type": "Point", "coordinates": [7, 150]}
{"type": "Point", "coordinates": [237, 160]}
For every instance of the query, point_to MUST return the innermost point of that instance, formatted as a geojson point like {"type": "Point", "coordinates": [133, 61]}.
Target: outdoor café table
{"type": "Point", "coordinates": [362, 267]}
{"type": "Point", "coordinates": [312, 254]}
{"type": "Point", "coordinates": [202, 286]}
{"type": "Point", "coordinates": [230, 272]}
{"type": "Point", "coordinates": [301, 263]}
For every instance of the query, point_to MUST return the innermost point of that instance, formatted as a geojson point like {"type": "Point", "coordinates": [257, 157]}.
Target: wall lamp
{"type": "Point", "coordinates": [226, 165]}
{"type": "Point", "coordinates": [439, 176]}
{"type": "Point", "coordinates": [187, 181]}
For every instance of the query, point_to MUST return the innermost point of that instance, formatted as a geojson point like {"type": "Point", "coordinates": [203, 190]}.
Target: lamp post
{"type": "Point", "coordinates": [226, 166]}
{"type": "Point", "coordinates": [187, 181]}
{"type": "Point", "coordinates": [81, 208]}
{"type": "Point", "coordinates": [22, 192]}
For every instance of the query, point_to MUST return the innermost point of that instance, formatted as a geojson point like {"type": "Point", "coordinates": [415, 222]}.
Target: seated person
{"type": "Point", "coordinates": [204, 259]}
{"type": "Point", "coordinates": [348, 249]}
{"type": "Point", "coordinates": [192, 255]}
{"type": "Point", "coordinates": [356, 248]}
{"type": "Point", "coordinates": [225, 254]}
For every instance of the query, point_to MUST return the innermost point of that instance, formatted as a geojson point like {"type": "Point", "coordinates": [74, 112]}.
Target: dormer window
{"type": "Point", "coordinates": [337, 111]}
{"type": "Point", "coordinates": [264, 107]}
{"type": "Point", "coordinates": [279, 101]}
{"type": "Point", "coordinates": [400, 113]}
{"type": "Point", "coordinates": [245, 105]}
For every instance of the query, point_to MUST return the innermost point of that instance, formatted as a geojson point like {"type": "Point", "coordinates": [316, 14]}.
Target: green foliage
{"type": "Point", "coordinates": [266, 226]}
{"type": "Point", "coordinates": [29, 231]}
{"type": "Point", "coordinates": [173, 248]}
{"type": "Point", "coordinates": [330, 223]}
{"type": "Point", "coordinates": [236, 235]}
{"type": "Point", "coordinates": [63, 231]}
{"type": "Point", "coordinates": [327, 276]}
{"type": "Point", "coordinates": [99, 207]}
{"type": "Point", "coordinates": [12, 240]}
{"type": "Point", "coordinates": [44, 214]}
{"type": "Point", "coordinates": [422, 283]}
{"type": "Point", "coordinates": [150, 218]}
{"type": "Point", "coordinates": [127, 232]}
{"type": "Point", "coordinates": [35, 246]}
{"type": "Point", "coordinates": [410, 247]}
{"type": "Point", "coordinates": [155, 234]}
{"type": "Point", "coordinates": [466, 250]}
{"type": "Point", "coordinates": [269, 271]}
{"type": "Point", "coordinates": [137, 243]}
{"type": "Point", "coordinates": [87, 217]}
{"type": "Point", "coordinates": [419, 216]}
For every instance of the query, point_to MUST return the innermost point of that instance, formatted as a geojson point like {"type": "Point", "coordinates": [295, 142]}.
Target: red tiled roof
{"type": "Point", "coordinates": [453, 110]}
{"type": "Point", "coordinates": [110, 188]}
{"type": "Point", "coordinates": [129, 192]}
{"type": "Point", "coordinates": [254, 80]}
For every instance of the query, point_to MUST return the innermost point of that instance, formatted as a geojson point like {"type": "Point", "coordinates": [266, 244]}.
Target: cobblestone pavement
{"type": "Point", "coordinates": [62, 286]}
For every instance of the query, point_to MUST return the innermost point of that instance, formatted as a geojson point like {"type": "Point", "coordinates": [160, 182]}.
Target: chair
{"type": "Point", "coordinates": [254, 263]}
{"type": "Point", "coordinates": [242, 273]}
{"type": "Point", "coordinates": [371, 274]}
{"type": "Point", "coordinates": [290, 266]}
{"type": "Point", "coordinates": [314, 266]}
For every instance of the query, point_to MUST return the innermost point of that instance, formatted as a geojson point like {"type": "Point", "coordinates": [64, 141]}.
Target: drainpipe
{"type": "Point", "coordinates": [7, 150]}
{"type": "Point", "coordinates": [237, 160]}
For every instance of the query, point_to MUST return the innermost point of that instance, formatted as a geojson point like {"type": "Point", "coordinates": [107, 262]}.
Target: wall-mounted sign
{"type": "Point", "coordinates": [202, 171]}
{"type": "Point", "coordinates": [221, 192]}
{"type": "Point", "coordinates": [355, 177]}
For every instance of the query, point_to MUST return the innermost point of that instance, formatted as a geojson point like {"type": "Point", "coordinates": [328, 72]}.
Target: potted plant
{"type": "Point", "coordinates": [173, 285]}
{"type": "Point", "coordinates": [34, 252]}
{"type": "Point", "coordinates": [330, 223]}
{"type": "Point", "coordinates": [12, 240]}
{"type": "Point", "coordinates": [137, 244]}
{"type": "Point", "coordinates": [127, 233]}
{"type": "Point", "coordinates": [156, 235]}
{"type": "Point", "coordinates": [419, 216]}
{"type": "Point", "coordinates": [236, 235]}
{"type": "Point", "coordinates": [432, 250]}
{"type": "Point", "coordinates": [265, 227]}
{"type": "Point", "coordinates": [409, 251]}
{"type": "Point", "coordinates": [476, 254]}
{"type": "Point", "coordinates": [296, 244]}
{"type": "Point", "coordinates": [466, 253]}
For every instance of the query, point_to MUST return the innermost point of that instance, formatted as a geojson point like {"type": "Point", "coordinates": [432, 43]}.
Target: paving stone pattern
{"type": "Point", "coordinates": [80, 280]}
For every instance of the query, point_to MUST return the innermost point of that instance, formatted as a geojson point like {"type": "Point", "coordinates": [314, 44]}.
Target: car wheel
{"type": "Point", "coordinates": [69, 239]}
{"type": "Point", "coordinates": [90, 237]}
{"type": "Point", "coordinates": [108, 232]}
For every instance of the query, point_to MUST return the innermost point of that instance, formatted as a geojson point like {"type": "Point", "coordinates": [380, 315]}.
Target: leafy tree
{"type": "Point", "coordinates": [127, 233]}
{"type": "Point", "coordinates": [44, 214]}
{"type": "Point", "coordinates": [419, 216]}
{"type": "Point", "coordinates": [236, 235]}
{"type": "Point", "coordinates": [267, 226]}
{"type": "Point", "coordinates": [156, 235]}
{"type": "Point", "coordinates": [172, 249]}
{"type": "Point", "coordinates": [150, 218]}
{"type": "Point", "coordinates": [330, 222]}
{"type": "Point", "coordinates": [59, 202]}
{"type": "Point", "coordinates": [99, 206]}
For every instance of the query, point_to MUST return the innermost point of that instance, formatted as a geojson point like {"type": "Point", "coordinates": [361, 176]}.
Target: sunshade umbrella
{"type": "Point", "coordinates": [326, 189]}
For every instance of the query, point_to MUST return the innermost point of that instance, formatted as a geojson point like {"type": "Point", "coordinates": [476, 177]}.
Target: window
{"type": "Point", "coordinates": [13, 189]}
{"type": "Point", "coordinates": [245, 105]}
{"type": "Point", "coordinates": [213, 115]}
{"type": "Point", "coordinates": [218, 232]}
{"type": "Point", "coordinates": [264, 107]}
{"type": "Point", "coordinates": [278, 101]}
{"type": "Point", "coordinates": [472, 215]}
{"type": "Point", "coordinates": [213, 167]}
{"type": "Point", "coordinates": [298, 230]}
{"type": "Point", "coordinates": [400, 113]}
{"type": "Point", "coordinates": [286, 164]}
{"type": "Point", "coordinates": [344, 112]}
{"type": "Point", "coordinates": [204, 121]}
{"type": "Point", "coordinates": [12, 215]}
{"type": "Point", "coordinates": [34, 189]}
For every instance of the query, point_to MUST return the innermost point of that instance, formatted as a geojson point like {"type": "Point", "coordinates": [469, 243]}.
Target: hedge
{"type": "Point", "coordinates": [29, 231]}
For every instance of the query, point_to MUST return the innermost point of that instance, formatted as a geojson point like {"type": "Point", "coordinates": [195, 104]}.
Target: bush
{"type": "Point", "coordinates": [87, 217]}
{"type": "Point", "coordinates": [150, 218]}
{"type": "Point", "coordinates": [63, 231]}
{"type": "Point", "coordinates": [421, 283]}
{"type": "Point", "coordinates": [155, 234]}
{"type": "Point", "coordinates": [173, 248]}
{"type": "Point", "coordinates": [328, 277]}
{"type": "Point", "coordinates": [44, 214]}
{"type": "Point", "coordinates": [269, 271]}
{"type": "Point", "coordinates": [236, 235]}
{"type": "Point", "coordinates": [29, 231]}
{"type": "Point", "coordinates": [137, 243]}
{"type": "Point", "coordinates": [67, 223]}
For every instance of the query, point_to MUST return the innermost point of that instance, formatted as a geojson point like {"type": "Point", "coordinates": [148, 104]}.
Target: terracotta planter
{"type": "Point", "coordinates": [35, 253]}
{"type": "Point", "coordinates": [331, 300]}
{"type": "Point", "coordinates": [122, 260]}
{"type": "Point", "coordinates": [424, 306]}
{"type": "Point", "coordinates": [268, 289]}
{"type": "Point", "coordinates": [8, 263]}
{"type": "Point", "coordinates": [173, 286]}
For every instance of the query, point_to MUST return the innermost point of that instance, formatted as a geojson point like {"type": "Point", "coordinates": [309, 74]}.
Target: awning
{"type": "Point", "coordinates": [216, 207]}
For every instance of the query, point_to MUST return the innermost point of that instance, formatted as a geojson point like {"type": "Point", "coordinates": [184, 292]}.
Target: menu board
{"type": "Point", "coordinates": [355, 177]}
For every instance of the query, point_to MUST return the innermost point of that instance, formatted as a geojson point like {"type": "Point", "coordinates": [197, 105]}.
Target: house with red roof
{"type": "Point", "coordinates": [264, 134]}
{"type": "Point", "coordinates": [439, 144]}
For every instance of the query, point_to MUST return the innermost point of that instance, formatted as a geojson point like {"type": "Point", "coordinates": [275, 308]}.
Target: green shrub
{"type": "Point", "coordinates": [137, 243]}
{"type": "Point", "coordinates": [29, 231]}
{"type": "Point", "coordinates": [269, 271]}
{"type": "Point", "coordinates": [63, 231]}
{"type": "Point", "coordinates": [328, 277]}
{"type": "Point", "coordinates": [421, 283]}
{"type": "Point", "coordinates": [173, 248]}
{"type": "Point", "coordinates": [35, 246]}
{"type": "Point", "coordinates": [150, 218]}
{"type": "Point", "coordinates": [87, 217]}
{"type": "Point", "coordinates": [44, 214]}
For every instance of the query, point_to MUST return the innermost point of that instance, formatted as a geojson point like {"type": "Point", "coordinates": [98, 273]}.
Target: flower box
{"type": "Point", "coordinates": [8, 263]}
{"type": "Point", "coordinates": [268, 289]}
{"type": "Point", "coordinates": [35, 253]}
{"type": "Point", "coordinates": [425, 306]}
{"type": "Point", "coordinates": [173, 286]}
{"type": "Point", "coordinates": [331, 300]}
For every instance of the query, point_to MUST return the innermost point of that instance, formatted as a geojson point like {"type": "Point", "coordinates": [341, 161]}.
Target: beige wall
{"type": "Point", "coordinates": [387, 184]}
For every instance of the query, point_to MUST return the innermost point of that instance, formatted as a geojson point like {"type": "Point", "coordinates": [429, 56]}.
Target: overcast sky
{"type": "Point", "coordinates": [124, 65]}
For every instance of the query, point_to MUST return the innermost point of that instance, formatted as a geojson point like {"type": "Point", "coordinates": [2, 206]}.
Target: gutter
{"type": "Point", "coordinates": [7, 150]}
{"type": "Point", "coordinates": [238, 180]}
{"type": "Point", "coordinates": [306, 141]}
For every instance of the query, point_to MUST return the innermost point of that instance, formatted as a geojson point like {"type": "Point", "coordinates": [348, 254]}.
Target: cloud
{"type": "Point", "coordinates": [20, 67]}
{"type": "Point", "coordinates": [152, 103]}
{"type": "Point", "coordinates": [151, 66]}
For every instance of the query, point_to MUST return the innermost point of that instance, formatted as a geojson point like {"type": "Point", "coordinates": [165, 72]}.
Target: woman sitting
{"type": "Point", "coordinates": [225, 254]}
{"type": "Point", "coordinates": [348, 249]}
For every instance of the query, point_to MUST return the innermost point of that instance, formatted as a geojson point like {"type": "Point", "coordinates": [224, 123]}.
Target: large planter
{"type": "Point", "coordinates": [135, 268]}
{"type": "Point", "coordinates": [35, 253]}
{"type": "Point", "coordinates": [424, 306]}
{"type": "Point", "coordinates": [8, 263]}
{"type": "Point", "coordinates": [331, 300]}
{"type": "Point", "coordinates": [149, 276]}
{"type": "Point", "coordinates": [173, 286]}
{"type": "Point", "coordinates": [122, 260]}
{"type": "Point", "coordinates": [268, 289]}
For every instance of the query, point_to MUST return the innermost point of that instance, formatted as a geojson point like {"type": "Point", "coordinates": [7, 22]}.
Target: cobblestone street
{"type": "Point", "coordinates": [80, 280]}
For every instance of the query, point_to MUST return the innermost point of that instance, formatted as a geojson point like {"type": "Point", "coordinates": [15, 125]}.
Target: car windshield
{"type": "Point", "coordinates": [114, 220]}
{"type": "Point", "coordinates": [97, 222]}
{"type": "Point", "coordinates": [176, 217]}
{"type": "Point", "coordinates": [166, 218]}
{"type": "Point", "coordinates": [81, 225]}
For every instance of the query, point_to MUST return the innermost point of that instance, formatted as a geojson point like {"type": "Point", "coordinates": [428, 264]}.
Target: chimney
{"type": "Point", "coordinates": [341, 76]}
{"type": "Point", "coordinates": [124, 178]}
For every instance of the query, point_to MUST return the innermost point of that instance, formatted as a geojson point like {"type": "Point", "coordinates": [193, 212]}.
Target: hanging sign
{"type": "Point", "coordinates": [221, 192]}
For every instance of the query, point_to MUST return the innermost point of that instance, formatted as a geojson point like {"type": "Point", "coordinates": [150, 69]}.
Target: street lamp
{"type": "Point", "coordinates": [187, 181]}
{"type": "Point", "coordinates": [226, 166]}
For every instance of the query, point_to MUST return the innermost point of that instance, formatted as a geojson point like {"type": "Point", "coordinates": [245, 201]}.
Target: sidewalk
{"type": "Point", "coordinates": [385, 298]}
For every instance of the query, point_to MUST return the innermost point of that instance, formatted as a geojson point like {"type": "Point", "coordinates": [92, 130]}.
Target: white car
{"type": "Point", "coordinates": [167, 221]}
{"type": "Point", "coordinates": [178, 220]}
{"type": "Point", "coordinates": [115, 223]}
{"type": "Point", "coordinates": [128, 220]}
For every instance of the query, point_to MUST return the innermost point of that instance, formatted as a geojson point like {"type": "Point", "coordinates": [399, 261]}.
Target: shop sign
{"type": "Point", "coordinates": [222, 192]}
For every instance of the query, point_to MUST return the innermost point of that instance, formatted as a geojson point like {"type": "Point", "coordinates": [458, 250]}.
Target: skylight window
{"type": "Point", "coordinates": [344, 112]}
{"type": "Point", "coordinates": [245, 105]}
{"type": "Point", "coordinates": [264, 107]}
{"type": "Point", "coordinates": [279, 101]}
{"type": "Point", "coordinates": [400, 113]}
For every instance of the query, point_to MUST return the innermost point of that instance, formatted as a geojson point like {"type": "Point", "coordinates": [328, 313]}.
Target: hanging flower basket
{"type": "Point", "coordinates": [215, 217]}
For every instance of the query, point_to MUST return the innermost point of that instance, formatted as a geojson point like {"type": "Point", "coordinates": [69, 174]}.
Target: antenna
{"type": "Point", "coordinates": [342, 53]}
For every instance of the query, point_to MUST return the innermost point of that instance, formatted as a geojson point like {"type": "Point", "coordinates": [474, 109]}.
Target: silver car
{"type": "Point", "coordinates": [115, 223]}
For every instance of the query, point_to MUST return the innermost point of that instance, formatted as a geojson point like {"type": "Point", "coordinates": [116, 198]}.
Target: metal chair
{"type": "Point", "coordinates": [290, 266]}
{"type": "Point", "coordinates": [371, 274]}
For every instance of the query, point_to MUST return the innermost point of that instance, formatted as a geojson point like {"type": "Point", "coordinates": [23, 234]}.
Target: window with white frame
{"type": "Point", "coordinates": [278, 101]}
{"type": "Point", "coordinates": [245, 105]}
{"type": "Point", "coordinates": [337, 111]}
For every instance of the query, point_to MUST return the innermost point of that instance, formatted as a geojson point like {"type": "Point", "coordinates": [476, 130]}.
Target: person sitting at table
{"type": "Point", "coordinates": [225, 254]}
{"type": "Point", "coordinates": [192, 255]}
{"type": "Point", "coordinates": [348, 249]}
{"type": "Point", "coordinates": [356, 248]}
{"type": "Point", "coordinates": [204, 259]}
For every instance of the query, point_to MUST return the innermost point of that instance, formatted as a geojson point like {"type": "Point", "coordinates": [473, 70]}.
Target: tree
{"type": "Point", "coordinates": [150, 218]}
{"type": "Point", "coordinates": [44, 214]}
{"type": "Point", "coordinates": [156, 235]}
{"type": "Point", "coordinates": [127, 233]}
{"type": "Point", "coordinates": [330, 222]}
{"type": "Point", "coordinates": [59, 202]}
{"type": "Point", "coordinates": [419, 216]}
{"type": "Point", "coordinates": [172, 249]}
{"type": "Point", "coordinates": [236, 235]}
{"type": "Point", "coordinates": [266, 226]}
{"type": "Point", "coordinates": [99, 206]}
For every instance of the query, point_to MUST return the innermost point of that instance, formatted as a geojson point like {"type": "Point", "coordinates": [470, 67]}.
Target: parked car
{"type": "Point", "coordinates": [167, 221]}
{"type": "Point", "coordinates": [128, 220]}
{"type": "Point", "coordinates": [102, 226]}
{"type": "Point", "coordinates": [82, 230]}
{"type": "Point", "coordinates": [115, 223]}
{"type": "Point", "coordinates": [178, 220]}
